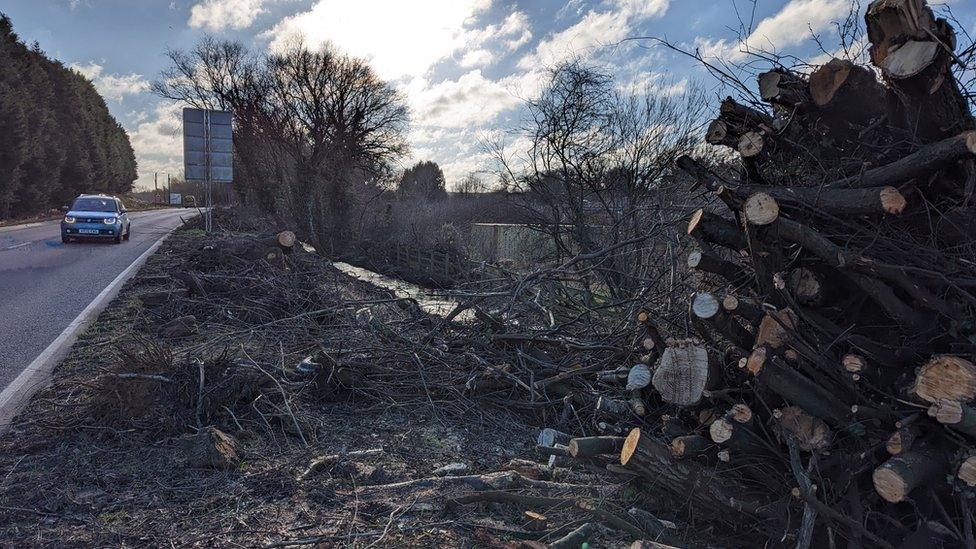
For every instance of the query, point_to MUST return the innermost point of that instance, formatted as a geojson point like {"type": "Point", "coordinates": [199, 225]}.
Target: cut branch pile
{"type": "Point", "coordinates": [828, 388]}
{"type": "Point", "coordinates": [835, 312]}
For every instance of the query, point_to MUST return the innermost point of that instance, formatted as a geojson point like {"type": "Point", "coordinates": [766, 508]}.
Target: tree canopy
{"type": "Point", "coordinates": [57, 138]}
{"type": "Point", "coordinates": [313, 127]}
{"type": "Point", "coordinates": [423, 180]}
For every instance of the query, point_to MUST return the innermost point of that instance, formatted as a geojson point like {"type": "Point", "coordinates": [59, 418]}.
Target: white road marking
{"type": "Point", "coordinates": [37, 373]}
{"type": "Point", "coordinates": [15, 246]}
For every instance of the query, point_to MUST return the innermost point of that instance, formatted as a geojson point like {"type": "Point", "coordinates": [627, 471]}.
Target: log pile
{"type": "Point", "coordinates": [828, 388]}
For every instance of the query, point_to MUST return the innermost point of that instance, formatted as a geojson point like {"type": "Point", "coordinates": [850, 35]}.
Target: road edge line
{"type": "Point", "coordinates": [36, 375]}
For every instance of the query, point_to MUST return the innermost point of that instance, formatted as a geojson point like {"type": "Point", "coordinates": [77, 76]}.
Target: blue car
{"type": "Point", "coordinates": [96, 216]}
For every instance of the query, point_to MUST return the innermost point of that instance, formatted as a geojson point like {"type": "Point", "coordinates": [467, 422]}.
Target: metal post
{"type": "Point", "coordinates": [207, 175]}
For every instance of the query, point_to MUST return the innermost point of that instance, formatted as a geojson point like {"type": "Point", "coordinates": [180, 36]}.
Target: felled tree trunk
{"type": "Point", "coordinates": [946, 377]}
{"type": "Point", "coordinates": [849, 92]}
{"type": "Point", "coordinates": [688, 446]}
{"type": "Point", "coordinates": [716, 230]}
{"type": "Point", "coordinates": [955, 415]}
{"type": "Point", "coordinates": [706, 306]}
{"type": "Point", "coordinates": [895, 479]}
{"type": "Point", "coordinates": [837, 202]}
{"type": "Point", "coordinates": [683, 374]}
{"type": "Point", "coordinates": [793, 386]}
{"type": "Point", "coordinates": [810, 433]}
{"type": "Point", "coordinates": [584, 447]}
{"type": "Point", "coordinates": [746, 308]}
{"type": "Point", "coordinates": [709, 263]}
{"type": "Point", "coordinates": [785, 88]}
{"type": "Point", "coordinates": [920, 164]}
{"type": "Point", "coordinates": [967, 471]}
{"type": "Point", "coordinates": [714, 495]}
{"type": "Point", "coordinates": [913, 50]}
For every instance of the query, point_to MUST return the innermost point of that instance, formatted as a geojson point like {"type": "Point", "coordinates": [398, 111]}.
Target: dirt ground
{"type": "Point", "coordinates": [109, 454]}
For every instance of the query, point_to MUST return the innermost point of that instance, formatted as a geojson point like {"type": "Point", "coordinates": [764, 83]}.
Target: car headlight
{"type": "Point", "coordinates": [68, 219]}
{"type": "Point", "coordinates": [109, 221]}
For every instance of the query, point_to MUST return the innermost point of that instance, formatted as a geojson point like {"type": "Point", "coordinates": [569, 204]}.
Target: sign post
{"type": "Point", "coordinates": [208, 151]}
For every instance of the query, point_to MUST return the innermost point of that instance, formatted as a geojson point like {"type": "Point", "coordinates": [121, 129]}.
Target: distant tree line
{"type": "Point", "coordinates": [57, 138]}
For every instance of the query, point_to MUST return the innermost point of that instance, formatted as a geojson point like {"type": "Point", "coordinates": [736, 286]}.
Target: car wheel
{"type": "Point", "coordinates": [118, 239]}
{"type": "Point", "coordinates": [128, 233]}
{"type": "Point", "coordinates": [64, 239]}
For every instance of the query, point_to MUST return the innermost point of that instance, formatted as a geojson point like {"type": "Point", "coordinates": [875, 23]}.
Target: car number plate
{"type": "Point", "coordinates": [88, 231]}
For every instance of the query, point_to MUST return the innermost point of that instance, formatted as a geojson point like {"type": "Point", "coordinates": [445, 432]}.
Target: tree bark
{"type": "Point", "coordinates": [919, 164]}
{"type": "Point", "coordinates": [795, 388]}
{"type": "Point", "coordinates": [704, 261]}
{"type": "Point", "coordinates": [847, 91]}
{"type": "Point", "coordinates": [896, 478]}
{"type": "Point", "coordinates": [784, 88]}
{"type": "Point", "coordinates": [746, 308]}
{"type": "Point", "coordinates": [837, 202]}
{"type": "Point", "coordinates": [584, 447]}
{"type": "Point", "coordinates": [716, 230]}
{"type": "Point", "coordinates": [716, 496]}
{"type": "Point", "coordinates": [913, 50]}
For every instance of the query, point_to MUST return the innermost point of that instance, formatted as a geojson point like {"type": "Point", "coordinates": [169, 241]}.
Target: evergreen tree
{"type": "Point", "coordinates": [423, 180]}
{"type": "Point", "coordinates": [57, 137]}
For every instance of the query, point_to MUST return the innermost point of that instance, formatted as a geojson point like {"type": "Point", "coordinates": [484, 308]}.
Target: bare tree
{"type": "Point", "coordinates": [311, 126]}
{"type": "Point", "coordinates": [472, 184]}
{"type": "Point", "coordinates": [598, 168]}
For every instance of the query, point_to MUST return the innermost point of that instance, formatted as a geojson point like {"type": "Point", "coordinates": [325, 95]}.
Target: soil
{"type": "Point", "coordinates": [99, 458]}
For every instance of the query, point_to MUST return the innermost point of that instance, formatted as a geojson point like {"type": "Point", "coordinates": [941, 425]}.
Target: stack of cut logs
{"type": "Point", "coordinates": [828, 391]}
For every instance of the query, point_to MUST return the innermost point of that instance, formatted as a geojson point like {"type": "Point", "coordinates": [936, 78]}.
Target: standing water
{"type": "Point", "coordinates": [429, 300]}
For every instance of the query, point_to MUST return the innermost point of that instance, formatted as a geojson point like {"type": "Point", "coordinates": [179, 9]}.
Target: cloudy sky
{"type": "Point", "coordinates": [465, 66]}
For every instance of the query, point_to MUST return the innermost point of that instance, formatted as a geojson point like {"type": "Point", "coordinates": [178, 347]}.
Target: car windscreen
{"type": "Point", "coordinates": [94, 205]}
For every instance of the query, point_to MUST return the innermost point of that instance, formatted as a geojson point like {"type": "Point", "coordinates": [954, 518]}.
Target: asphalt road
{"type": "Point", "coordinates": [45, 284]}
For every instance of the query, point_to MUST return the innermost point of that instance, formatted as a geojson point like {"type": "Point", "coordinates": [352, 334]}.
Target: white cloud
{"type": "Point", "coordinates": [470, 100]}
{"type": "Point", "coordinates": [396, 37]}
{"type": "Point", "coordinates": [216, 15]}
{"type": "Point", "coordinates": [780, 30]}
{"type": "Point", "coordinates": [112, 86]}
{"type": "Point", "coordinates": [512, 33]}
{"type": "Point", "coordinates": [642, 8]}
{"type": "Point", "coordinates": [595, 29]}
{"type": "Point", "coordinates": [476, 58]}
{"type": "Point", "coordinates": [517, 29]}
{"type": "Point", "coordinates": [157, 140]}
{"type": "Point", "coordinates": [450, 116]}
{"type": "Point", "coordinates": [788, 27]}
{"type": "Point", "coordinates": [652, 82]}
{"type": "Point", "coordinates": [90, 71]}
